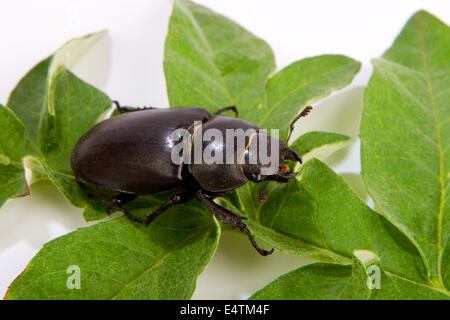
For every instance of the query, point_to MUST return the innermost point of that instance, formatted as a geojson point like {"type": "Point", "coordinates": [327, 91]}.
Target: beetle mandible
{"type": "Point", "coordinates": [131, 154]}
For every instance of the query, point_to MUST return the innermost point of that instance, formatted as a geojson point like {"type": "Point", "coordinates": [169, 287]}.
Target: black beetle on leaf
{"type": "Point", "coordinates": [132, 154]}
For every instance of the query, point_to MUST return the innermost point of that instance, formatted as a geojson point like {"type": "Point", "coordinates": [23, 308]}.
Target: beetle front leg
{"type": "Point", "coordinates": [229, 217]}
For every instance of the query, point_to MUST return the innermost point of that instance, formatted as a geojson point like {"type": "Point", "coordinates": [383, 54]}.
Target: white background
{"type": "Point", "coordinates": [128, 67]}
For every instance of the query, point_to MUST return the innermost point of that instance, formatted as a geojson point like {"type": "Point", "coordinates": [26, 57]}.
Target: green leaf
{"type": "Point", "coordinates": [211, 62]}
{"type": "Point", "coordinates": [57, 108]}
{"type": "Point", "coordinates": [11, 137]}
{"type": "Point", "coordinates": [205, 55]}
{"type": "Point", "coordinates": [95, 211]}
{"type": "Point", "coordinates": [65, 183]}
{"type": "Point", "coordinates": [315, 144]}
{"type": "Point", "coordinates": [319, 144]}
{"type": "Point", "coordinates": [66, 107]}
{"type": "Point", "coordinates": [405, 135]}
{"type": "Point", "coordinates": [29, 100]}
{"type": "Point", "coordinates": [68, 56]}
{"type": "Point", "coordinates": [119, 259]}
{"type": "Point", "coordinates": [320, 281]}
{"type": "Point", "coordinates": [77, 107]}
{"type": "Point", "coordinates": [321, 213]}
{"type": "Point", "coordinates": [301, 83]}
{"type": "Point", "coordinates": [334, 281]}
{"type": "Point", "coordinates": [293, 245]}
{"type": "Point", "coordinates": [12, 179]}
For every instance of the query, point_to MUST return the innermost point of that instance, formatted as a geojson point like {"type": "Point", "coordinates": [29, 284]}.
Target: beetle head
{"type": "Point", "coordinates": [256, 173]}
{"type": "Point", "coordinates": [275, 166]}
{"type": "Point", "coordinates": [285, 173]}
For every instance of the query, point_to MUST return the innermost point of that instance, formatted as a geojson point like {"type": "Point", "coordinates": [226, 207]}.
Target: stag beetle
{"type": "Point", "coordinates": [131, 154]}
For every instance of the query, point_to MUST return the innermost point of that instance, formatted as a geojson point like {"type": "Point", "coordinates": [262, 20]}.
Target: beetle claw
{"type": "Point", "coordinates": [231, 218]}
{"type": "Point", "coordinates": [261, 251]}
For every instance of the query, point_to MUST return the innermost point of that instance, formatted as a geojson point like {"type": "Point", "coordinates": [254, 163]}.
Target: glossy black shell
{"type": "Point", "coordinates": [222, 177]}
{"type": "Point", "coordinates": [131, 152]}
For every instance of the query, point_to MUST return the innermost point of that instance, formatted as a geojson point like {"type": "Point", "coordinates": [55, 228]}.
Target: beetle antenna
{"type": "Point", "coordinates": [304, 113]}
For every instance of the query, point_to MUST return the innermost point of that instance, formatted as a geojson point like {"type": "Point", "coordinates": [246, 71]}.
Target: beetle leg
{"type": "Point", "coordinates": [130, 109]}
{"type": "Point", "coordinates": [176, 199]}
{"type": "Point", "coordinates": [119, 200]}
{"type": "Point", "coordinates": [229, 217]}
{"type": "Point", "coordinates": [93, 193]}
{"type": "Point", "coordinates": [114, 202]}
{"type": "Point", "coordinates": [222, 110]}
